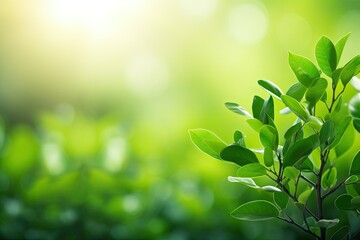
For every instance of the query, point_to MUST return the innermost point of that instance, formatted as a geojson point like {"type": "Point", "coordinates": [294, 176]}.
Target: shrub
{"type": "Point", "coordinates": [302, 163]}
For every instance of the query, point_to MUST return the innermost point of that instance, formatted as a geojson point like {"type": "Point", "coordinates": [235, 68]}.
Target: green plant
{"type": "Point", "coordinates": [306, 165]}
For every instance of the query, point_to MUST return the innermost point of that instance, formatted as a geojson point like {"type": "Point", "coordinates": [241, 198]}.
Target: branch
{"type": "Point", "coordinates": [335, 188]}
{"type": "Point", "coordinates": [291, 221]}
{"type": "Point", "coordinates": [307, 180]}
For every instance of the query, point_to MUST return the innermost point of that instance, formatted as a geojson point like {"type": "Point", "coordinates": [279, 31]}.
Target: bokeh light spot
{"type": "Point", "coordinates": [198, 8]}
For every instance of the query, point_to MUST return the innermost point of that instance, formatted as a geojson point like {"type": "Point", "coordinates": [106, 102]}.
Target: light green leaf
{"type": "Point", "coordinates": [239, 155]}
{"type": "Point", "coordinates": [326, 55]}
{"type": "Point", "coordinates": [255, 124]}
{"type": "Point", "coordinates": [316, 91]}
{"type": "Point", "coordinates": [352, 68]}
{"type": "Point", "coordinates": [249, 182]}
{"type": "Point", "coordinates": [327, 223]}
{"type": "Point", "coordinates": [343, 202]}
{"type": "Point", "coordinates": [270, 189]}
{"type": "Point", "coordinates": [271, 88]}
{"type": "Point", "coordinates": [294, 129]}
{"type": "Point", "coordinates": [300, 150]}
{"type": "Point", "coordinates": [351, 180]}
{"type": "Point", "coordinates": [291, 172]}
{"type": "Point", "coordinates": [296, 91]}
{"type": "Point", "coordinates": [303, 197]}
{"type": "Point", "coordinates": [236, 108]}
{"type": "Point", "coordinates": [257, 105]}
{"type": "Point", "coordinates": [304, 69]}
{"type": "Point", "coordinates": [268, 157]}
{"type": "Point", "coordinates": [339, 46]}
{"type": "Point", "coordinates": [207, 142]}
{"type": "Point", "coordinates": [281, 199]}
{"type": "Point", "coordinates": [329, 178]}
{"type": "Point", "coordinates": [336, 77]}
{"type": "Point", "coordinates": [256, 211]}
{"type": "Point", "coordinates": [341, 234]}
{"type": "Point", "coordinates": [251, 170]}
{"type": "Point", "coordinates": [355, 165]}
{"type": "Point", "coordinates": [296, 107]}
{"type": "Point", "coordinates": [269, 137]}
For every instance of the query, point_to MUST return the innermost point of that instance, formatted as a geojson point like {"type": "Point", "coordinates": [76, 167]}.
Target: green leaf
{"type": "Point", "coordinates": [354, 107]}
{"type": "Point", "coordinates": [207, 142]}
{"type": "Point", "coordinates": [316, 91]}
{"type": "Point", "coordinates": [250, 183]}
{"type": "Point", "coordinates": [271, 88]}
{"type": "Point", "coordinates": [239, 155]}
{"type": "Point", "coordinates": [281, 199]}
{"type": "Point", "coordinates": [257, 105]}
{"type": "Point", "coordinates": [268, 157]}
{"type": "Point", "coordinates": [341, 234]}
{"type": "Point", "coordinates": [326, 55]}
{"type": "Point", "coordinates": [327, 223]}
{"type": "Point", "coordinates": [340, 130]}
{"type": "Point", "coordinates": [329, 178]}
{"type": "Point", "coordinates": [300, 150]}
{"type": "Point", "coordinates": [294, 129]}
{"type": "Point", "coordinates": [343, 202]}
{"type": "Point", "coordinates": [339, 46]}
{"type": "Point", "coordinates": [338, 105]}
{"type": "Point", "coordinates": [269, 137]}
{"type": "Point", "coordinates": [327, 134]}
{"type": "Point", "coordinates": [303, 197]}
{"type": "Point", "coordinates": [296, 107]}
{"type": "Point", "coordinates": [352, 68]}
{"type": "Point", "coordinates": [307, 166]}
{"type": "Point", "coordinates": [239, 138]}
{"type": "Point", "coordinates": [355, 165]}
{"type": "Point", "coordinates": [255, 124]}
{"type": "Point", "coordinates": [267, 110]}
{"type": "Point", "coordinates": [236, 108]}
{"type": "Point", "coordinates": [351, 180]}
{"type": "Point", "coordinates": [291, 172]}
{"type": "Point", "coordinates": [304, 69]}
{"type": "Point", "coordinates": [256, 211]}
{"type": "Point", "coordinates": [296, 91]}
{"type": "Point", "coordinates": [355, 202]}
{"type": "Point", "coordinates": [251, 170]}
{"type": "Point", "coordinates": [336, 77]}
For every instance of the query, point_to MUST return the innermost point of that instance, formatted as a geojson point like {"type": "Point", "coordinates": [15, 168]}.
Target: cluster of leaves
{"type": "Point", "coordinates": [304, 166]}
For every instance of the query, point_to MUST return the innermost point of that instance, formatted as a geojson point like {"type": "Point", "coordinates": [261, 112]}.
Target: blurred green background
{"type": "Point", "coordinates": [97, 96]}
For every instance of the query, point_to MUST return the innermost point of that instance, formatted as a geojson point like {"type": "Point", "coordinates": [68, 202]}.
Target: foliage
{"type": "Point", "coordinates": [303, 162]}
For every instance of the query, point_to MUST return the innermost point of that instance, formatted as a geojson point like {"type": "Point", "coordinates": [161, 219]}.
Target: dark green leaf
{"type": "Point", "coordinates": [324, 97]}
{"type": "Point", "coordinates": [355, 166]}
{"type": "Point", "coordinates": [271, 88]}
{"type": "Point", "coordinates": [296, 91]}
{"type": "Point", "coordinates": [236, 108]}
{"type": "Point", "coordinates": [352, 68]}
{"type": "Point", "coordinates": [267, 110]}
{"type": "Point", "coordinates": [316, 91]}
{"type": "Point", "coordinates": [356, 123]}
{"type": "Point", "coordinates": [304, 69]}
{"type": "Point", "coordinates": [355, 202]}
{"type": "Point", "coordinates": [281, 199]}
{"type": "Point", "coordinates": [341, 234]}
{"type": "Point", "coordinates": [329, 178]}
{"type": "Point", "coordinates": [251, 170]}
{"type": "Point", "coordinates": [307, 166]}
{"type": "Point", "coordinates": [239, 138]}
{"type": "Point", "coordinates": [327, 134]}
{"type": "Point", "coordinates": [269, 137]}
{"type": "Point", "coordinates": [300, 150]}
{"type": "Point", "coordinates": [354, 107]}
{"type": "Point", "coordinates": [327, 223]}
{"type": "Point", "coordinates": [293, 130]}
{"type": "Point", "coordinates": [239, 155]}
{"type": "Point", "coordinates": [296, 107]}
{"type": "Point", "coordinates": [207, 142]}
{"type": "Point", "coordinates": [340, 130]}
{"type": "Point", "coordinates": [343, 202]}
{"type": "Point", "coordinates": [257, 105]}
{"type": "Point", "coordinates": [268, 157]}
{"type": "Point", "coordinates": [256, 211]}
{"type": "Point", "coordinates": [326, 55]}
{"type": "Point", "coordinates": [336, 77]}
{"type": "Point", "coordinates": [351, 180]}
{"type": "Point", "coordinates": [338, 105]}
{"type": "Point", "coordinates": [339, 46]}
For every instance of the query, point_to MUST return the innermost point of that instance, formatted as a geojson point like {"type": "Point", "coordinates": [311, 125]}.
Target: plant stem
{"type": "Point", "coordinates": [323, 158]}
{"type": "Point", "coordinates": [335, 188]}
{"type": "Point", "coordinates": [291, 221]}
